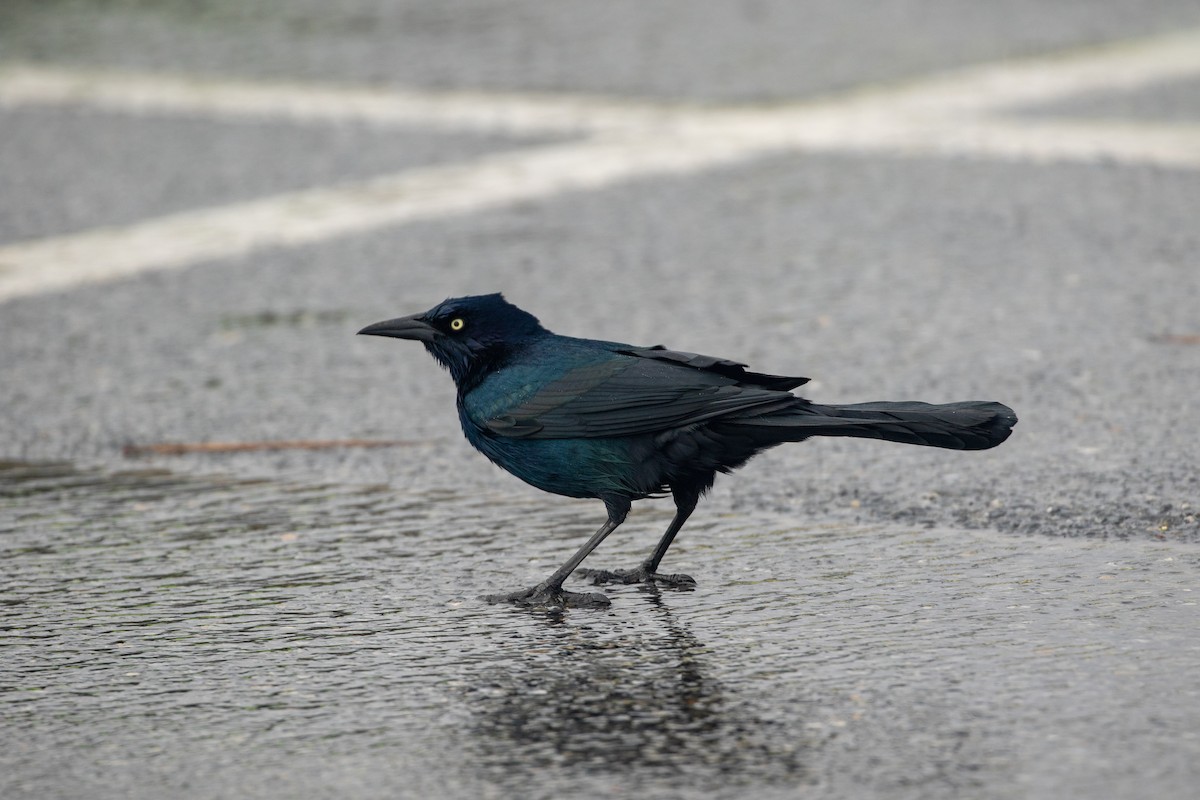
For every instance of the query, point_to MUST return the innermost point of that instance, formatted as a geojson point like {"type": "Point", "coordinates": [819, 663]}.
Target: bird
{"type": "Point", "coordinates": [587, 418]}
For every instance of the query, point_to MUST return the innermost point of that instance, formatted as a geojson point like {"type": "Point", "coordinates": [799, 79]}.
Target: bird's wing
{"type": "Point", "coordinates": [627, 395]}
{"type": "Point", "coordinates": [719, 366]}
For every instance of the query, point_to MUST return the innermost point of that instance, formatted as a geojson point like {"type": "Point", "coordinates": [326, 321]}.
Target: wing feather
{"type": "Point", "coordinates": [720, 366]}
{"type": "Point", "coordinates": [628, 393]}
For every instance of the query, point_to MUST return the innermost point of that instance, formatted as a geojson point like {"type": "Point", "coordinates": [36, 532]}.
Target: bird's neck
{"type": "Point", "coordinates": [470, 372]}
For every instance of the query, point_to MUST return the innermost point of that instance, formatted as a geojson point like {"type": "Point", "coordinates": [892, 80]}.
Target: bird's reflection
{"type": "Point", "coordinates": [618, 699]}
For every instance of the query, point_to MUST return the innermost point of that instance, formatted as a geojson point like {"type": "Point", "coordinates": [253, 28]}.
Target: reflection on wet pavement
{"type": "Point", "coordinates": [164, 635]}
{"type": "Point", "coordinates": [640, 699]}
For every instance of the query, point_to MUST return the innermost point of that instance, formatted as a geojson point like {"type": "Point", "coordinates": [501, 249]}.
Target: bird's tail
{"type": "Point", "coordinates": [970, 425]}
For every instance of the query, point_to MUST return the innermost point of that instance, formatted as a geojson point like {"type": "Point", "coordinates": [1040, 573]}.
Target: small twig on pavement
{"type": "Point", "coordinates": [184, 448]}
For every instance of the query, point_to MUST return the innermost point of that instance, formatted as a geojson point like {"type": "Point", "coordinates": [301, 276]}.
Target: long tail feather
{"type": "Point", "coordinates": [969, 425]}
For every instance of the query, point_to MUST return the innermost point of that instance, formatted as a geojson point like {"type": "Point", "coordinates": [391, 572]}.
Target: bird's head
{"type": "Point", "coordinates": [467, 335]}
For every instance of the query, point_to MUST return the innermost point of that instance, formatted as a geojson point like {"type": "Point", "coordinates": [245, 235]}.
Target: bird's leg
{"type": "Point", "coordinates": [647, 571]}
{"type": "Point", "coordinates": [549, 592]}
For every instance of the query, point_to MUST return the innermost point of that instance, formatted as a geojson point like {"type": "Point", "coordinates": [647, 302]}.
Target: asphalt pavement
{"type": "Point", "coordinates": [202, 202]}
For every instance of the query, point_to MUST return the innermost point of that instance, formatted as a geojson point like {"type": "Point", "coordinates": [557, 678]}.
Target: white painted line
{"type": "Point", "coordinates": [980, 89]}
{"type": "Point", "coordinates": [1041, 140]}
{"type": "Point", "coordinates": [1000, 86]}
{"type": "Point", "coordinates": [320, 214]}
{"type": "Point", "coordinates": [952, 114]}
{"type": "Point", "coordinates": [871, 130]}
{"type": "Point", "coordinates": [32, 85]}
{"type": "Point", "coordinates": [1171, 146]}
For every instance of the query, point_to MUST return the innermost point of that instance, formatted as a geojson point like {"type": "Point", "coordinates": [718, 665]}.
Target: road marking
{"type": "Point", "coordinates": [28, 85]}
{"type": "Point", "coordinates": [315, 215]}
{"type": "Point", "coordinates": [954, 114]}
{"type": "Point", "coordinates": [979, 89]}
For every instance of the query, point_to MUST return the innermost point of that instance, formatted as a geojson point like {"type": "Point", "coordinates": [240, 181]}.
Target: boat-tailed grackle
{"type": "Point", "coordinates": [588, 418]}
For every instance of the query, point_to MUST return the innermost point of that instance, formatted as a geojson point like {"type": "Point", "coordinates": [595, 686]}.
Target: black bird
{"type": "Point", "coordinates": [588, 418]}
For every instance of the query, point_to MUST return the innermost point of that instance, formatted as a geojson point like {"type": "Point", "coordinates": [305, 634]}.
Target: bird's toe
{"type": "Point", "coordinates": [676, 579]}
{"type": "Point", "coordinates": [637, 575]}
{"type": "Point", "coordinates": [550, 597]}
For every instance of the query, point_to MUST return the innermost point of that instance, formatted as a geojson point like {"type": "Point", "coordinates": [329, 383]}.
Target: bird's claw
{"type": "Point", "coordinates": [550, 597]}
{"type": "Point", "coordinates": [637, 575]}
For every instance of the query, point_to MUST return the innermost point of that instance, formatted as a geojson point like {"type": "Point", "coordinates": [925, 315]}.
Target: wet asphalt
{"type": "Point", "coordinates": [871, 620]}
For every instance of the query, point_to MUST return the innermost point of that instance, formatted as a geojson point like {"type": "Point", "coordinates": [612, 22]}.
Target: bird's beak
{"type": "Point", "coordinates": [412, 327]}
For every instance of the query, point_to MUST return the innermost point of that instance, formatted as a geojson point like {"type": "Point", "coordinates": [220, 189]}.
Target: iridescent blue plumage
{"type": "Point", "coordinates": [590, 418]}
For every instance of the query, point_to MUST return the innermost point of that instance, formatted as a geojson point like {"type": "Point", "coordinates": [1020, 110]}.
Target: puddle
{"type": "Point", "coordinates": [169, 635]}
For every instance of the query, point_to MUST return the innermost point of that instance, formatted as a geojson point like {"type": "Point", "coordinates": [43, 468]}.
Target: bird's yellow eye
{"type": "Point", "coordinates": [457, 324]}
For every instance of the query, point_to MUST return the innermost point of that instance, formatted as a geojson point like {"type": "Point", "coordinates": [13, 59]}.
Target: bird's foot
{"type": "Point", "coordinates": [637, 575]}
{"type": "Point", "coordinates": [550, 598]}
